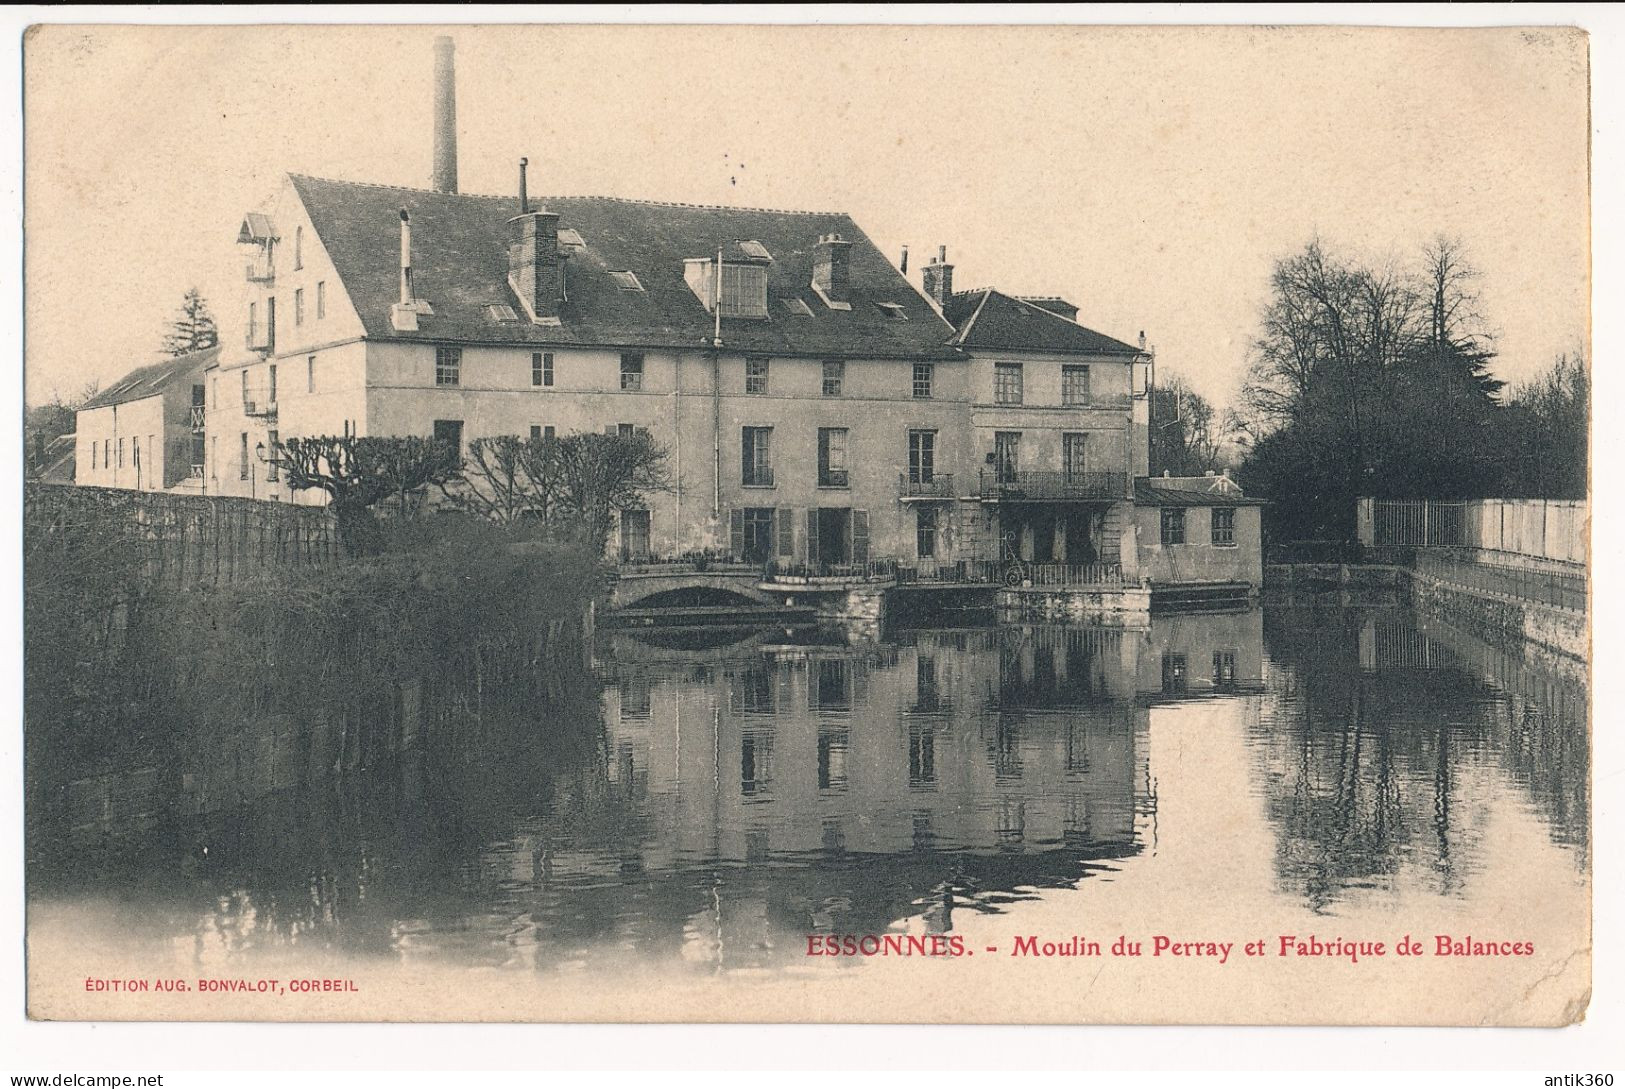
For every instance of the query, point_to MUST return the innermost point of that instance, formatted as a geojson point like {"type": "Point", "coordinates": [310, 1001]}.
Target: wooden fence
{"type": "Point", "coordinates": [1548, 529]}
{"type": "Point", "coordinates": [182, 540]}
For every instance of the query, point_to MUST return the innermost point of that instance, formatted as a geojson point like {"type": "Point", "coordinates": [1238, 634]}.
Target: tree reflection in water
{"type": "Point", "coordinates": [1375, 735]}
{"type": "Point", "coordinates": [713, 805]}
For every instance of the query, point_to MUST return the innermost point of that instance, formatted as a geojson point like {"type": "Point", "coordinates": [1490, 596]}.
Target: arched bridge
{"type": "Point", "coordinates": [686, 587]}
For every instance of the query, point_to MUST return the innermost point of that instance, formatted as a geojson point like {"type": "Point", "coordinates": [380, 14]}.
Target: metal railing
{"type": "Point", "coordinates": [260, 271]}
{"type": "Point", "coordinates": [1564, 590]}
{"type": "Point", "coordinates": [917, 486]}
{"type": "Point", "coordinates": [1011, 573]}
{"type": "Point", "coordinates": [1052, 484]}
{"type": "Point", "coordinates": [198, 417]}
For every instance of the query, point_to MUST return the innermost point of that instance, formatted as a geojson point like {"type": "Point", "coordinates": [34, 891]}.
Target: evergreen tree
{"type": "Point", "coordinates": [193, 329]}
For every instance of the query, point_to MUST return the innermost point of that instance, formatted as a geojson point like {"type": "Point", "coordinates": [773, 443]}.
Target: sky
{"type": "Point", "coordinates": [1150, 175]}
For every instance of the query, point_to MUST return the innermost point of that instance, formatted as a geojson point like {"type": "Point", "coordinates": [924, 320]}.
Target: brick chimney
{"type": "Point", "coordinates": [445, 116]}
{"type": "Point", "coordinates": [535, 265]}
{"type": "Point", "coordinates": [832, 271]}
{"type": "Point", "coordinates": [938, 278]}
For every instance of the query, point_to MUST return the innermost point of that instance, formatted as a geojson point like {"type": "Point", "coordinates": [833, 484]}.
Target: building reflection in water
{"type": "Point", "coordinates": [713, 805]}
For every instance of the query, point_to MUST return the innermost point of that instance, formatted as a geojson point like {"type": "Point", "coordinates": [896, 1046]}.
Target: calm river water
{"type": "Point", "coordinates": [1332, 767]}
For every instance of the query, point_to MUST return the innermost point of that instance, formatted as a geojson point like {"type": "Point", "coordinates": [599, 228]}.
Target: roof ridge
{"type": "Point", "coordinates": [575, 196]}
{"type": "Point", "coordinates": [1070, 321]}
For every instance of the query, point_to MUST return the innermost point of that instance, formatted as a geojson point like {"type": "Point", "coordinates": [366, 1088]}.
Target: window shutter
{"type": "Point", "coordinates": [812, 534]}
{"type": "Point", "coordinates": [860, 536]}
{"type": "Point", "coordinates": [787, 532]}
{"type": "Point", "coordinates": [736, 532]}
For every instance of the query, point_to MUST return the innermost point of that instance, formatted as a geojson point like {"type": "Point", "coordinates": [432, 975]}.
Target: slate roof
{"type": "Point", "coordinates": [153, 379]}
{"type": "Point", "coordinates": [1190, 491]}
{"type": "Point", "coordinates": [989, 319]}
{"type": "Point", "coordinates": [460, 266]}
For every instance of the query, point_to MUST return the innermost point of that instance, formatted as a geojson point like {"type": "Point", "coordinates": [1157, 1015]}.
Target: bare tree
{"type": "Point", "coordinates": [506, 478]}
{"type": "Point", "coordinates": [357, 473]}
{"type": "Point", "coordinates": [600, 475]}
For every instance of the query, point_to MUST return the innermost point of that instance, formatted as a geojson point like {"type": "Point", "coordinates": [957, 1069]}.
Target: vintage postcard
{"type": "Point", "coordinates": [837, 524]}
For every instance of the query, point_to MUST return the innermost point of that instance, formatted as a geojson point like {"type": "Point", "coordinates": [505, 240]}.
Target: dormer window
{"type": "Point", "coordinates": [797, 307]}
{"type": "Point", "coordinates": [501, 312]}
{"type": "Point", "coordinates": [754, 249]}
{"type": "Point", "coordinates": [626, 281]}
{"type": "Point", "coordinates": [744, 286]}
{"type": "Point", "coordinates": [893, 311]}
{"type": "Point", "coordinates": [572, 238]}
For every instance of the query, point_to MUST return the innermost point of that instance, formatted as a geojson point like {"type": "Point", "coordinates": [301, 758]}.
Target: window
{"type": "Point", "coordinates": [1007, 383]}
{"type": "Point", "coordinates": [834, 376]}
{"type": "Point", "coordinates": [1075, 456]}
{"type": "Point", "coordinates": [299, 306]}
{"type": "Point", "coordinates": [625, 431]}
{"type": "Point", "coordinates": [451, 433]}
{"type": "Point", "coordinates": [310, 374]}
{"type": "Point", "coordinates": [894, 311]}
{"type": "Point", "coordinates": [923, 373]}
{"type": "Point", "coordinates": [756, 457]}
{"type": "Point", "coordinates": [541, 368]}
{"type": "Point", "coordinates": [1173, 525]}
{"type": "Point", "coordinates": [93, 449]}
{"type": "Point", "coordinates": [270, 384]}
{"type": "Point", "coordinates": [501, 312]}
{"type": "Point", "coordinates": [925, 530]}
{"type": "Point", "coordinates": [922, 457]}
{"type": "Point", "coordinates": [571, 237]}
{"type": "Point", "coordinates": [321, 299]}
{"type": "Point", "coordinates": [757, 523]}
{"type": "Point", "coordinates": [752, 248]}
{"type": "Point", "coordinates": [253, 324]}
{"type": "Point", "coordinates": [1224, 669]}
{"type": "Point", "coordinates": [242, 457]}
{"type": "Point", "coordinates": [272, 441]}
{"type": "Point", "coordinates": [245, 387]}
{"type": "Point", "coordinates": [797, 307]}
{"type": "Point", "coordinates": [634, 535]}
{"type": "Point", "coordinates": [632, 370]}
{"type": "Point", "coordinates": [298, 248]}
{"type": "Point", "coordinates": [214, 457]}
{"type": "Point", "coordinates": [1175, 671]}
{"type": "Point", "coordinates": [755, 374]}
{"type": "Point", "coordinates": [1224, 526]}
{"type": "Point", "coordinates": [626, 281]}
{"type": "Point", "coordinates": [1006, 455]}
{"type": "Point", "coordinates": [744, 291]}
{"type": "Point", "coordinates": [448, 366]}
{"type": "Point", "coordinates": [548, 433]}
{"type": "Point", "coordinates": [1074, 385]}
{"type": "Point", "coordinates": [535, 432]}
{"type": "Point", "coordinates": [832, 457]}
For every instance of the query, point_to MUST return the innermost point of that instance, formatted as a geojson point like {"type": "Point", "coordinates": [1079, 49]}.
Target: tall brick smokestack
{"type": "Point", "coordinates": [445, 116]}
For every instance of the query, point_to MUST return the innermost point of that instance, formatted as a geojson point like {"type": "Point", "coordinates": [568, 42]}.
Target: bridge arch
{"type": "Point", "coordinates": [689, 589]}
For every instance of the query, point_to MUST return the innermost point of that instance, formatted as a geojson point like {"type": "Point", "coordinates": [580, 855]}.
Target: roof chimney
{"type": "Point", "coordinates": [938, 278]}
{"type": "Point", "coordinates": [404, 314]}
{"type": "Point", "coordinates": [832, 271]}
{"type": "Point", "coordinates": [902, 266]}
{"type": "Point", "coordinates": [445, 116]}
{"type": "Point", "coordinates": [535, 265]}
{"type": "Point", "coordinates": [524, 198]}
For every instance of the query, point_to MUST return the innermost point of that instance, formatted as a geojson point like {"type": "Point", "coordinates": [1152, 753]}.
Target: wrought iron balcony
{"type": "Point", "coordinates": [260, 271]}
{"type": "Point", "coordinates": [256, 407]}
{"type": "Point", "coordinates": [1049, 485]}
{"type": "Point", "coordinates": [199, 418]}
{"type": "Point", "coordinates": [922, 486]}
